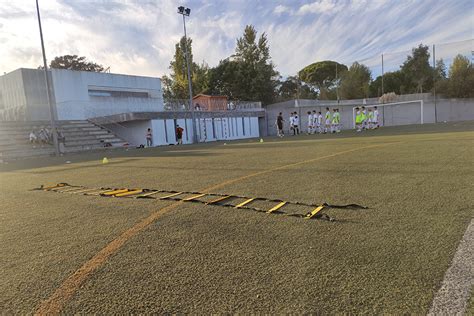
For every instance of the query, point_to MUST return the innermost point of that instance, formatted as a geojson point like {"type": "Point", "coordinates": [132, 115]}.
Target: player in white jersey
{"type": "Point", "coordinates": [292, 123]}
{"type": "Point", "coordinates": [320, 122]}
{"type": "Point", "coordinates": [310, 123]}
{"type": "Point", "coordinates": [327, 122]}
{"type": "Point", "coordinates": [296, 124]}
{"type": "Point", "coordinates": [370, 119]}
{"type": "Point", "coordinates": [376, 118]}
{"type": "Point", "coordinates": [314, 121]}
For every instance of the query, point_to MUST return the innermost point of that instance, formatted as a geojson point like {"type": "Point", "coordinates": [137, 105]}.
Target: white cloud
{"type": "Point", "coordinates": [138, 37]}
{"type": "Point", "coordinates": [320, 6]}
{"type": "Point", "coordinates": [280, 9]}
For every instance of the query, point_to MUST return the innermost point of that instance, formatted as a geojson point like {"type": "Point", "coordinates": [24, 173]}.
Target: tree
{"type": "Point", "coordinates": [249, 74]}
{"type": "Point", "coordinates": [294, 88]}
{"type": "Point", "coordinates": [74, 62]}
{"type": "Point", "coordinates": [167, 83]}
{"type": "Point", "coordinates": [225, 79]}
{"type": "Point", "coordinates": [355, 82]}
{"type": "Point", "coordinates": [461, 78]}
{"type": "Point", "coordinates": [176, 85]}
{"type": "Point", "coordinates": [393, 82]}
{"type": "Point", "coordinates": [440, 70]}
{"type": "Point", "coordinates": [323, 76]}
{"type": "Point", "coordinates": [417, 72]}
{"type": "Point", "coordinates": [440, 77]}
{"type": "Point", "coordinates": [257, 74]}
{"type": "Point", "coordinates": [388, 97]}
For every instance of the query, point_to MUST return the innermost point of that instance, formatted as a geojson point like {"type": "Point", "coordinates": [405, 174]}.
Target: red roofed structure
{"type": "Point", "coordinates": [204, 102]}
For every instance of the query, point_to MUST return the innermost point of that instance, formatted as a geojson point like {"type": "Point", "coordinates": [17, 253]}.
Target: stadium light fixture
{"type": "Point", "coordinates": [186, 12]}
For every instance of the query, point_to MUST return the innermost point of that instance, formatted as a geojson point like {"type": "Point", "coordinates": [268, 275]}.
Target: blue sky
{"type": "Point", "coordinates": [138, 36]}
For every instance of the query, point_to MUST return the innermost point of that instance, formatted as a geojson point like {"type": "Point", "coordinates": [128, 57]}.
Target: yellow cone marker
{"type": "Point", "coordinates": [105, 160]}
{"type": "Point", "coordinates": [261, 140]}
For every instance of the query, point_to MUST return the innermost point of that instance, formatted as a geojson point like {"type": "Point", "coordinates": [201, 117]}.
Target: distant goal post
{"type": "Point", "coordinates": [395, 113]}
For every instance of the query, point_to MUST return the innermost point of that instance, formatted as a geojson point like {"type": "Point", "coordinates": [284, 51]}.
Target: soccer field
{"type": "Point", "coordinates": [74, 253]}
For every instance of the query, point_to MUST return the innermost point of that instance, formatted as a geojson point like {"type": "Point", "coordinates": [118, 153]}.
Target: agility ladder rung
{"type": "Point", "coordinates": [280, 206]}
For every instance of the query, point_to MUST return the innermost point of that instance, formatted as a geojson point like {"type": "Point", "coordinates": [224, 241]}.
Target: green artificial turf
{"type": "Point", "coordinates": [470, 305]}
{"type": "Point", "coordinates": [390, 258]}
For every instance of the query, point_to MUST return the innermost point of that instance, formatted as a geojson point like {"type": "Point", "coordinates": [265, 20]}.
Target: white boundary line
{"type": "Point", "coordinates": [454, 294]}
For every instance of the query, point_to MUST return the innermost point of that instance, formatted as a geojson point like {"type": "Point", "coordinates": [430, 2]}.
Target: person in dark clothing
{"type": "Point", "coordinates": [179, 135]}
{"type": "Point", "coordinates": [279, 124]}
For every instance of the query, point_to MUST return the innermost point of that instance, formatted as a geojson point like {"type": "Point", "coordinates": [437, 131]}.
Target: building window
{"type": "Point", "coordinates": [118, 94]}
{"type": "Point", "coordinates": [99, 93]}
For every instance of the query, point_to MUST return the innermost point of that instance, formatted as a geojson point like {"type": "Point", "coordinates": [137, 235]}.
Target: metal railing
{"type": "Point", "coordinates": [117, 128]}
{"type": "Point", "coordinates": [178, 105]}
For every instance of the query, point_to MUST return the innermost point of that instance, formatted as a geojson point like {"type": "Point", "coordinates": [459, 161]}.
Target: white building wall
{"type": "Point", "coordinates": [240, 128]}
{"type": "Point", "coordinates": [164, 132]}
{"type": "Point", "coordinates": [158, 132]}
{"type": "Point", "coordinates": [170, 132]}
{"type": "Point", "coordinates": [12, 96]}
{"type": "Point", "coordinates": [74, 102]}
{"type": "Point", "coordinates": [255, 130]}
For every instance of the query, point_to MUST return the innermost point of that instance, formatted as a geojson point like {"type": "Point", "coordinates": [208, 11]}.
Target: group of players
{"type": "Point", "coordinates": [366, 119]}
{"type": "Point", "coordinates": [330, 122]}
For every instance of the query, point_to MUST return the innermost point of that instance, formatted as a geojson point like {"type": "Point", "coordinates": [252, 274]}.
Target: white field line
{"type": "Point", "coordinates": [454, 294]}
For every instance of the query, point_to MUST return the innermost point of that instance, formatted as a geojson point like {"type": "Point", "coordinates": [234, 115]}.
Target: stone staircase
{"type": "Point", "coordinates": [79, 135]}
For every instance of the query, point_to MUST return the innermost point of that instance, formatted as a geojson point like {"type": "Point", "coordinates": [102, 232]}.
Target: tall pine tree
{"type": "Point", "coordinates": [176, 86]}
{"type": "Point", "coordinates": [249, 74]}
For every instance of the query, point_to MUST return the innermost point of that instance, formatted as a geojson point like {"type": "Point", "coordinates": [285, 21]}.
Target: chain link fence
{"type": "Point", "coordinates": [385, 69]}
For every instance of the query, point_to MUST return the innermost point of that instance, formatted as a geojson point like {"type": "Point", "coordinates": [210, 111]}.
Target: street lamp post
{"type": "Point", "coordinates": [185, 12]}
{"type": "Point", "coordinates": [48, 88]}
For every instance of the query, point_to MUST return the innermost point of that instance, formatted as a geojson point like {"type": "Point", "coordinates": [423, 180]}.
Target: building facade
{"type": "Point", "coordinates": [126, 105]}
{"type": "Point", "coordinates": [77, 95]}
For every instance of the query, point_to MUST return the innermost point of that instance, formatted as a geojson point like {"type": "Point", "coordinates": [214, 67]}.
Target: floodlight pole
{"type": "Point", "coordinates": [434, 84]}
{"type": "Point", "coordinates": [382, 76]}
{"type": "Point", "coordinates": [48, 88]}
{"type": "Point", "coordinates": [337, 86]}
{"type": "Point", "coordinates": [193, 115]}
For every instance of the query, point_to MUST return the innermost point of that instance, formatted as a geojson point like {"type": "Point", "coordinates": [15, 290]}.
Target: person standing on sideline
{"type": "Point", "coordinates": [292, 123]}
{"type": "Point", "coordinates": [296, 123]}
{"type": "Point", "coordinates": [333, 121]}
{"type": "Point", "coordinates": [338, 121]}
{"type": "Point", "coordinates": [370, 119]}
{"type": "Point", "coordinates": [33, 137]}
{"type": "Point", "coordinates": [327, 123]}
{"type": "Point", "coordinates": [319, 122]}
{"type": "Point", "coordinates": [376, 118]}
{"type": "Point", "coordinates": [358, 120]}
{"type": "Point", "coordinates": [149, 138]}
{"type": "Point", "coordinates": [310, 123]}
{"type": "Point", "coordinates": [179, 135]}
{"type": "Point", "coordinates": [315, 121]}
{"type": "Point", "coordinates": [364, 117]}
{"type": "Point", "coordinates": [279, 125]}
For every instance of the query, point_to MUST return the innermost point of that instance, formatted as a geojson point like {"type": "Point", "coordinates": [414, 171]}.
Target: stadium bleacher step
{"type": "Point", "coordinates": [79, 136]}
{"type": "Point", "coordinates": [91, 142]}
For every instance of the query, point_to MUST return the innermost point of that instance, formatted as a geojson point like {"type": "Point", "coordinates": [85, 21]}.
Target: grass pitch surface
{"type": "Point", "coordinates": [417, 182]}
